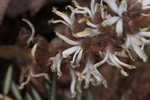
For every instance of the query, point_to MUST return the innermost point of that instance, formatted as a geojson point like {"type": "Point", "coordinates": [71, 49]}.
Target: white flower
{"type": "Point", "coordinates": [137, 42]}
{"type": "Point", "coordinates": [91, 74]}
{"type": "Point", "coordinates": [56, 64]}
{"type": "Point", "coordinates": [116, 19]}
{"type": "Point", "coordinates": [112, 59]}
{"type": "Point", "coordinates": [77, 50]}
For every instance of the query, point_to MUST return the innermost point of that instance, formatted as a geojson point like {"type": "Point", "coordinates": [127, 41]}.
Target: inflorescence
{"type": "Point", "coordinates": [106, 32]}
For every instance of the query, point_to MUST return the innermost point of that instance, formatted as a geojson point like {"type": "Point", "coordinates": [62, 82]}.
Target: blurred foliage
{"type": "Point", "coordinates": [123, 98]}
{"type": "Point", "coordinates": [12, 92]}
{"type": "Point", "coordinates": [89, 95]}
{"type": "Point", "coordinates": [7, 81]}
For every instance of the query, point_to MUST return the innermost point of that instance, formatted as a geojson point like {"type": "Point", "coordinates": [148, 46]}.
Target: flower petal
{"type": "Point", "coordinates": [79, 56]}
{"type": "Point", "coordinates": [87, 80]}
{"type": "Point", "coordinates": [88, 32]}
{"type": "Point", "coordinates": [145, 2]}
{"type": "Point", "coordinates": [70, 51]}
{"type": "Point", "coordinates": [85, 9]}
{"type": "Point", "coordinates": [73, 84]}
{"type": "Point", "coordinates": [93, 6]}
{"type": "Point", "coordinates": [101, 62]}
{"type": "Point", "coordinates": [75, 55]}
{"type": "Point", "coordinates": [140, 52]}
{"type": "Point", "coordinates": [98, 76]}
{"type": "Point", "coordinates": [58, 21]}
{"type": "Point", "coordinates": [123, 64]}
{"type": "Point", "coordinates": [58, 60]}
{"type": "Point", "coordinates": [110, 21]}
{"type": "Point", "coordinates": [119, 27]}
{"type": "Point", "coordinates": [144, 34]}
{"type": "Point", "coordinates": [65, 17]}
{"type": "Point", "coordinates": [112, 4]}
{"type": "Point", "coordinates": [122, 7]}
{"type": "Point", "coordinates": [67, 40]}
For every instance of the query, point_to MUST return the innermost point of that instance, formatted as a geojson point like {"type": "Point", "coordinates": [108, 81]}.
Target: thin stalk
{"type": "Point", "coordinates": [89, 94]}
{"type": "Point", "coordinates": [8, 80]}
{"type": "Point", "coordinates": [79, 97]}
{"type": "Point", "coordinates": [35, 93]}
{"type": "Point", "coordinates": [16, 92]}
{"type": "Point", "coordinates": [53, 89]}
{"type": "Point", "coordinates": [48, 89]}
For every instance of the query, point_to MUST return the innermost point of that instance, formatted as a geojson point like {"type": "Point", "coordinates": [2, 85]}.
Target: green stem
{"type": "Point", "coordinates": [79, 96]}
{"type": "Point", "coordinates": [89, 95]}
{"type": "Point", "coordinates": [53, 89]}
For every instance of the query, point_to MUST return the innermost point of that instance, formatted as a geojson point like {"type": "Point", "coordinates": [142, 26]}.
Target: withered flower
{"type": "Point", "coordinates": [99, 34]}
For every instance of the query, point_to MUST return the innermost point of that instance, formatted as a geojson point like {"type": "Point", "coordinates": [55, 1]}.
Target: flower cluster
{"type": "Point", "coordinates": [107, 31]}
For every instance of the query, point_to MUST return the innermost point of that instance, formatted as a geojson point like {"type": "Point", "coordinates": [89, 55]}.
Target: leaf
{"type": "Point", "coordinates": [28, 96]}
{"type": "Point", "coordinates": [79, 96]}
{"type": "Point", "coordinates": [48, 89]}
{"type": "Point", "coordinates": [53, 89]}
{"type": "Point", "coordinates": [36, 95]}
{"type": "Point", "coordinates": [16, 92]}
{"type": "Point", "coordinates": [7, 81]}
{"type": "Point", "coordinates": [89, 95]}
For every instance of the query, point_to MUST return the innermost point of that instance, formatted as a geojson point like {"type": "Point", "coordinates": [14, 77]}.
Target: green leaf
{"type": "Point", "coordinates": [48, 89]}
{"type": "Point", "coordinates": [28, 96]}
{"type": "Point", "coordinates": [16, 92]}
{"type": "Point", "coordinates": [7, 81]}
{"type": "Point", "coordinates": [89, 95]}
{"type": "Point", "coordinates": [122, 97]}
{"type": "Point", "coordinates": [53, 89]}
{"type": "Point", "coordinates": [36, 95]}
{"type": "Point", "coordinates": [79, 96]}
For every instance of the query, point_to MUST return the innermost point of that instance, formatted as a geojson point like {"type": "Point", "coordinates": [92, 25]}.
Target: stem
{"type": "Point", "coordinates": [79, 96]}
{"type": "Point", "coordinates": [89, 95]}
{"type": "Point", "coordinates": [53, 89]}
